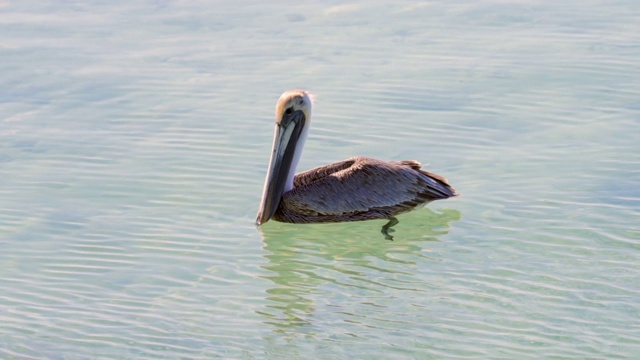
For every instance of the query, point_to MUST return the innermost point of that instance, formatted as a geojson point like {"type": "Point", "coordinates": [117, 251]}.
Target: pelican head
{"type": "Point", "coordinates": [293, 114]}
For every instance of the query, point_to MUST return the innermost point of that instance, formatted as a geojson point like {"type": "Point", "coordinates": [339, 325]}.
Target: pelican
{"type": "Point", "coordinates": [358, 188]}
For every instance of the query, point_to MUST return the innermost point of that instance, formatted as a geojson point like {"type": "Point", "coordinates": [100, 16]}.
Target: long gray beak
{"type": "Point", "coordinates": [286, 136]}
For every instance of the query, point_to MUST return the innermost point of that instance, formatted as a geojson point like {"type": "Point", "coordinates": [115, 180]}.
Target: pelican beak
{"type": "Point", "coordinates": [286, 136]}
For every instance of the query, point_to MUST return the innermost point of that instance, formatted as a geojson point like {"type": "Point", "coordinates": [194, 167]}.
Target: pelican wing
{"type": "Point", "coordinates": [360, 188]}
{"type": "Point", "coordinates": [309, 176]}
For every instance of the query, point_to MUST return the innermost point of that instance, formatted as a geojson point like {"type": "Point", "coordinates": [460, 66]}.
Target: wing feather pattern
{"type": "Point", "coordinates": [360, 188]}
{"type": "Point", "coordinates": [309, 176]}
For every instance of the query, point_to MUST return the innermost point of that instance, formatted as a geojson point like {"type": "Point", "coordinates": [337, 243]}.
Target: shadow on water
{"type": "Point", "coordinates": [310, 261]}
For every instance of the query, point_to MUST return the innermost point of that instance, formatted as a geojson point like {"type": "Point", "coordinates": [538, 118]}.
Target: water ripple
{"type": "Point", "coordinates": [133, 155]}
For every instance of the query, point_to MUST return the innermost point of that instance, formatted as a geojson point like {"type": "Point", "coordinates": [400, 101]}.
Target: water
{"type": "Point", "coordinates": [134, 139]}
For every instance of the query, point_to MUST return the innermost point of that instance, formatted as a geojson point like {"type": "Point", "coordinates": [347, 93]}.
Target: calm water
{"type": "Point", "coordinates": [134, 139]}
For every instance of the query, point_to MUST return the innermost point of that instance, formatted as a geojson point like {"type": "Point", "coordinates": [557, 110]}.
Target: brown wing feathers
{"type": "Point", "coordinates": [361, 188]}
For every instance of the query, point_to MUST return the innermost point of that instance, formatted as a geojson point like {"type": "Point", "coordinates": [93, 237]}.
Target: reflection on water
{"type": "Point", "coordinates": [304, 258]}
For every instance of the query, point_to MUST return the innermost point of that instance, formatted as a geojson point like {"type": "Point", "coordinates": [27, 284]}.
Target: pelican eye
{"type": "Point", "coordinates": [288, 111]}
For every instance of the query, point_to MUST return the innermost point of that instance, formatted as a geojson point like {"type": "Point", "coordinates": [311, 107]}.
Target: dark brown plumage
{"type": "Point", "coordinates": [360, 188]}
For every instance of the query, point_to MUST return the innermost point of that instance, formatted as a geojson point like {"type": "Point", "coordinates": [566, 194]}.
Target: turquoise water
{"type": "Point", "coordinates": [134, 139]}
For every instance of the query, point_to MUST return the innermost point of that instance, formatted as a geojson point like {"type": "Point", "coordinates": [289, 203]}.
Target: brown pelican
{"type": "Point", "coordinates": [358, 188]}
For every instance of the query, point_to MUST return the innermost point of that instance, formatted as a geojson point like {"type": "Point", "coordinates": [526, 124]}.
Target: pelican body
{"type": "Point", "coordinates": [358, 188]}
